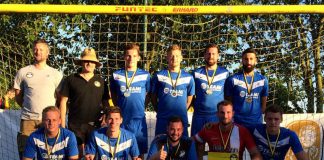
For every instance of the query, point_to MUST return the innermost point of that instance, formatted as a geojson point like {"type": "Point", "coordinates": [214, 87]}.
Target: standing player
{"type": "Point", "coordinates": [209, 82]}
{"type": "Point", "coordinates": [129, 89]}
{"type": "Point", "coordinates": [112, 142]}
{"type": "Point", "coordinates": [172, 91]}
{"type": "Point", "coordinates": [51, 141]}
{"type": "Point", "coordinates": [36, 87]}
{"type": "Point", "coordinates": [248, 90]}
{"type": "Point", "coordinates": [226, 139]}
{"type": "Point", "coordinates": [274, 141]}
{"type": "Point", "coordinates": [87, 95]}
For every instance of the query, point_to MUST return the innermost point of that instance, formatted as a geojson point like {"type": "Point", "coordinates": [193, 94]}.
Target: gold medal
{"type": "Point", "coordinates": [127, 93]}
{"type": "Point", "coordinates": [249, 99]}
{"type": "Point", "coordinates": [209, 91]}
{"type": "Point", "coordinates": [174, 93]}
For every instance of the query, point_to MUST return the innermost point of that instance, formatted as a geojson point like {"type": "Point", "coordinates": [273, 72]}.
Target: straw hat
{"type": "Point", "coordinates": [88, 54]}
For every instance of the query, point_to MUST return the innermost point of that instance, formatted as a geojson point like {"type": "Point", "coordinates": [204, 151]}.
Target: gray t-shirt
{"type": "Point", "coordinates": [38, 88]}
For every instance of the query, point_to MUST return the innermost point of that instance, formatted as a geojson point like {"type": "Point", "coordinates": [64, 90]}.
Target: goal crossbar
{"type": "Point", "coordinates": [169, 10]}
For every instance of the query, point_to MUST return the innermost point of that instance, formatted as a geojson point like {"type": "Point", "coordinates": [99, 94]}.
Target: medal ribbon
{"type": "Point", "coordinates": [270, 147]}
{"type": "Point", "coordinates": [131, 80]}
{"type": "Point", "coordinates": [48, 149]}
{"type": "Point", "coordinates": [229, 135]}
{"type": "Point", "coordinates": [210, 82]}
{"type": "Point", "coordinates": [249, 88]}
{"type": "Point", "coordinates": [175, 84]}
{"type": "Point", "coordinates": [113, 153]}
{"type": "Point", "coordinates": [169, 148]}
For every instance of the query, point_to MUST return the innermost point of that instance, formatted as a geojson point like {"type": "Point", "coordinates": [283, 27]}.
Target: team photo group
{"type": "Point", "coordinates": [71, 117]}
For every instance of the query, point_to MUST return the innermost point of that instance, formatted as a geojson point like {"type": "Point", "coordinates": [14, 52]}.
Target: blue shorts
{"type": "Point", "coordinates": [162, 124]}
{"type": "Point", "coordinates": [198, 122]}
{"type": "Point", "coordinates": [138, 126]}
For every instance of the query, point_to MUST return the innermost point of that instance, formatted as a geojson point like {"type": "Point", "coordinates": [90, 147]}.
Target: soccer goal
{"type": "Point", "coordinates": [288, 39]}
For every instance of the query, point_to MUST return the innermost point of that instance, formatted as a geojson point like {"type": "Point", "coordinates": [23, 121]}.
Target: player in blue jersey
{"type": "Point", "coordinates": [51, 141]}
{"type": "Point", "coordinates": [248, 91]}
{"type": "Point", "coordinates": [129, 89]}
{"type": "Point", "coordinates": [112, 142]}
{"type": "Point", "coordinates": [172, 91]}
{"type": "Point", "coordinates": [281, 139]}
{"type": "Point", "coordinates": [209, 82]}
{"type": "Point", "coordinates": [173, 145]}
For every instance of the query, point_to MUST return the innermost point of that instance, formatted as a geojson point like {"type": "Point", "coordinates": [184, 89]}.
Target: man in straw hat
{"type": "Point", "coordinates": [87, 95]}
{"type": "Point", "coordinates": [35, 88]}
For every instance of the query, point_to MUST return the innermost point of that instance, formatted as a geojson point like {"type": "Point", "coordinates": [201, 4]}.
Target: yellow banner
{"type": "Point", "coordinates": [128, 9]}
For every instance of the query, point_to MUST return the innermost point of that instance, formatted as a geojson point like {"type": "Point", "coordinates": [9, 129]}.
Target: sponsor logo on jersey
{"type": "Point", "coordinates": [29, 75]}
{"type": "Point", "coordinates": [203, 85]}
{"type": "Point", "coordinates": [242, 93]}
{"type": "Point", "coordinates": [122, 88]}
{"type": "Point", "coordinates": [97, 84]}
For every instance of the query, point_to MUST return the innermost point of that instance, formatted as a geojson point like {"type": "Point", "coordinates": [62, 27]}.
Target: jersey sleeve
{"type": "Point", "coordinates": [18, 81]}
{"type": "Point", "coordinates": [192, 152]}
{"type": "Point", "coordinates": [191, 87]}
{"type": "Point", "coordinates": [65, 89]}
{"type": "Point", "coordinates": [30, 149]}
{"type": "Point", "coordinates": [265, 90]}
{"type": "Point", "coordinates": [91, 147]}
{"type": "Point", "coordinates": [134, 151]}
{"type": "Point", "coordinates": [148, 83]}
{"type": "Point", "coordinates": [72, 146]}
{"type": "Point", "coordinates": [248, 139]}
{"type": "Point", "coordinates": [201, 136]}
{"type": "Point", "coordinates": [295, 143]}
{"type": "Point", "coordinates": [228, 87]}
{"type": "Point", "coordinates": [105, 95]}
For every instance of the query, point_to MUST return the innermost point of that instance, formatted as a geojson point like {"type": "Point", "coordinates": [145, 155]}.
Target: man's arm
{"type": "Point", "coordinates": [154, 100]}
{"type": "Point", "coordinates": [63, 110]}
{"type": "Point", "coordinates": [160, 155]}
{"type": "Point", "coordinates": [301, 155]}
{"type": "Point", "coordinates": [263, 103]}
{"type": "Point", "coordinates": [76, 157]}
{"type": "Point", "coordinates": [89, 157]}
{"type": "Point", "coordinates": [24, 158]}
{"type": "Point", "coordinates": [19, 97]}
{"type": "Point", "coordinates": [255, 154]}
{"type": "Point", "coordinates": [189, 100]}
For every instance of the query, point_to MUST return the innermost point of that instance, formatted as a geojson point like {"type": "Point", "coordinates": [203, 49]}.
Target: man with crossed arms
{"type": "Point", "coordinates": [172, 92]}
{"type": "Point", "coordinates": [209, 82]}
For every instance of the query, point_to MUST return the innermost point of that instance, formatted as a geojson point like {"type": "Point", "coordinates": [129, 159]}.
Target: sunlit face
{"type": "Point", "coordinates": [273, 121]}
{"type": "Point", "coordinates": [175, 130]}
{"type": "Point", "coordinates": [52, 121]}
{"type": "Point", "coordinates": [211, 56]}
{"type": "Point", "coordinates": [174, 58]}
{"type": "Point", "coordinates": [114, 120]}
{"type": "Point", "coordinates": [225, 114]}
{"type": "Point", "coordinates": [131, 58]}
{"type": "Point", "coordinates": [88, 66]}
{"type": "Point", "coordinates": [249, 61]}
{"type": "Point", "coordinates": [41, 52]}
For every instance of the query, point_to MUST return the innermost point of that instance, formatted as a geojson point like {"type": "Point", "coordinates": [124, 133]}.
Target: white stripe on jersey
{"type": "Point", "coordinates": [182, 80]}
{"type": "Point", "coordinates": [262, 139]}
{"type": "Point", "coordinates": [218, 77]}
{"type": "Point", "coordinates": [137, 78]}
{"type": "Point", "coordinates": [242, 84]}
{"type": "Point", "coordinates": [57, 146]}
{"type": "Point", "coordinates": [122, 146]}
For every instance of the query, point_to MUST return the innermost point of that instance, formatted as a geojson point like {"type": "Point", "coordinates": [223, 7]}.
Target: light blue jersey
{"type": "Point", "coordinates": [287, 139]}
{"type": "Point", "coordinates": [132, 105]}
{"type": "Point", "coordinates": [247, 113]}
{"type": "Point", "coordinates": [172, 101]}
{"type": "Point", "coordinates": [64, 147]}
{"type": "Point", "coordinates": [99, 144]}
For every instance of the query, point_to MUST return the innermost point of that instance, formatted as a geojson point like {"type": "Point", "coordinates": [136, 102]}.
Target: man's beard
{"type": "Point", "coordinates": [174, 140]}
{"type": "Point", "coordinates": [247, 69]}
{"type": "Point", "coordinates": [209, 63]}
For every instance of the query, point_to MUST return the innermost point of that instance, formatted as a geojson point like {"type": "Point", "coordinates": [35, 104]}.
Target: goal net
{"type": "Point", "coordinates": [290, 46]}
